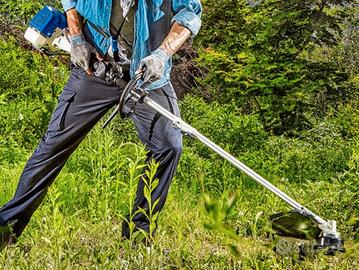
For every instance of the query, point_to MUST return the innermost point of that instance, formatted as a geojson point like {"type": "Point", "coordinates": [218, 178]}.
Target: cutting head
{"type": "Point", "coordinates": [296, 225]}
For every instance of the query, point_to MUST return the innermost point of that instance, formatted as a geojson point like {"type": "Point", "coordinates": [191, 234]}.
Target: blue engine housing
{"type": "Point", "coordinates": [47, 20]}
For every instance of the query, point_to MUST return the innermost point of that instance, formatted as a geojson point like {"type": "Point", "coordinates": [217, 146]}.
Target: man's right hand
{"type": "Point", "coordinates": [81, 52]}
{"type": "Point", "coordinates": [80, 49]}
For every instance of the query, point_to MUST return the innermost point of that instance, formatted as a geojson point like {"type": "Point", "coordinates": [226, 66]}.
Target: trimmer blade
{"type": "Point", "coordinates": [294, 224]}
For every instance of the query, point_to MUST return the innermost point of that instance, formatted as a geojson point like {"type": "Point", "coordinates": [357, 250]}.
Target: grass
{"type": "Point", "coordinates": [79, 224]}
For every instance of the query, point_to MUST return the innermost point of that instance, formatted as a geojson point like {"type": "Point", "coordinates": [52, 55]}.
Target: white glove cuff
{"type": "Point", "coordinates": [161, 53]}
{"type": "Point", "coordinates": [77, 40]}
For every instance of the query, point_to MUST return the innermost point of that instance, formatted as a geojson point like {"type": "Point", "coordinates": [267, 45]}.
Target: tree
{"type": "Point", "coordinates": [259, 56]}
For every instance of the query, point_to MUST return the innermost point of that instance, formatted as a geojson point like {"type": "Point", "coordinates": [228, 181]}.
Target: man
{"type": "Point", "coordinates": [144, 34]}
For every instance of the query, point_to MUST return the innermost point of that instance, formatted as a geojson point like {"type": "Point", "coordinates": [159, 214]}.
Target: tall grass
{"type": "Point", "coordinates": [79, 224]}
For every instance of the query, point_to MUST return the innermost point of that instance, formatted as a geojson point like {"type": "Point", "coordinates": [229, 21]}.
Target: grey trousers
{"type": "Point", "coordinates": [83, 102]}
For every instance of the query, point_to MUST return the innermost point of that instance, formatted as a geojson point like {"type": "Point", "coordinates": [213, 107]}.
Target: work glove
{"type": "Point", "coordinates": [153, 65]}
{"type": "Point", "coordinates": [81, 52]}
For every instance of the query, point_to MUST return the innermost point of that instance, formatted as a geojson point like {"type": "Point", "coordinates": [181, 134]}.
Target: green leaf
{"type": "Point", "coordinates": [147, 194]}
{"type": "Point", "coordinates": [234, 250]}
{"type": "Point", "coordinates": [155, 204]}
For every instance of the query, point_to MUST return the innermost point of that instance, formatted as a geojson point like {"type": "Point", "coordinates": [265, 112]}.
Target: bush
{"type": "Point", "coordinates": [319, 154]}
{"type": "Point", "coordinates": [254, 58]}
{"type": "Point", "coordinates": [29, 85]}
{"type": "Point", "coordinates": [21, 11]}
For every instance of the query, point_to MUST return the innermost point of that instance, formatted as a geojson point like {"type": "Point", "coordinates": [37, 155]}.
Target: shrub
{"type": "Point", "coordinates": [29, 85]}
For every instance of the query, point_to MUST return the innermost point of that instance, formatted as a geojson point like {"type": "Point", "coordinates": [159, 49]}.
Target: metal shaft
{"type": "Point", "coordinates": [178, 122]}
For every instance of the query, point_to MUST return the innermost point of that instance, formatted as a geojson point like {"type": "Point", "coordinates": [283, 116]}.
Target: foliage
{"type": "Point", "coordinates": [256, 56]}
{"type": "Point", "coordinates": [217, 213]}
{"type": "Point", "coordinates": [150, 185]}
{"type": "Point", "coordinates": [79, 224]}
{"type": "Point", "coordinates": [21, 11]}
{"type": "Point", "coordinates": [29, 84]}
{"type": "Point", "coordinates": [319, 153]}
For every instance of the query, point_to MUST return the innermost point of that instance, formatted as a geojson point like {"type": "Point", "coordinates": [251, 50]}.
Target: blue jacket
{"type": "Point", "coordinates": [153, 19]}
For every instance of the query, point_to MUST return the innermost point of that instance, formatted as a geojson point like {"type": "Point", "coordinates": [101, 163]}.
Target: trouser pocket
{"type": "Point", "coordinates": [57, 122]}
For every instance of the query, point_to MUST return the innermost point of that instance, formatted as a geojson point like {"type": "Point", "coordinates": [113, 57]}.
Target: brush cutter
{"type": "Point", "coordinates": [299, 223]}
{"type": "Point", "coordinates": [47, 33]}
